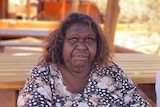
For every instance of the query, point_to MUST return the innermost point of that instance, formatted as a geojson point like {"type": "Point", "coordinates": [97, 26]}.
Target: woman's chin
{"type": "Point", "coordinates": [80, 63]}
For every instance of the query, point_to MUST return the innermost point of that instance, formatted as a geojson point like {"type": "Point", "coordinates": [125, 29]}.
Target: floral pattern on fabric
{"type": "Point", "coordinates": [107, 87]}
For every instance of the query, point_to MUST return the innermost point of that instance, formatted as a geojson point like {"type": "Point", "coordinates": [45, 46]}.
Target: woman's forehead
{"type": "Point", "coordinates": [79, 28]}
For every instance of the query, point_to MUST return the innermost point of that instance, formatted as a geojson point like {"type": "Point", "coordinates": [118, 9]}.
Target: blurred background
{"type": "Point", "coordinates": [133, 26]}
{"type": "Point", "coordinates": [136, 26]}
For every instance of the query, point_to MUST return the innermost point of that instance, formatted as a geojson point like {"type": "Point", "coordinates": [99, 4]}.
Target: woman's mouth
{"type": "Point", "coordinates": [81, 57]}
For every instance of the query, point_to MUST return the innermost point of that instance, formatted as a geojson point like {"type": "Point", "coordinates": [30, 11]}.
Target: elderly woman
{"type": "Point", "coordinates": [76, 71]}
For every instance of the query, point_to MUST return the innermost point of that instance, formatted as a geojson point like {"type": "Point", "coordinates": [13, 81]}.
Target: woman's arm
{"type": "Point", "coordinates": [37, 90]}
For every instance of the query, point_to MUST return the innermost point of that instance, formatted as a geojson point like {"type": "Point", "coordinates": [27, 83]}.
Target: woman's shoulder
{"type": "Point", "coordinates": [40, 69]}
{"type": "Point", "coordinates": [111, 67]}
{"type": "Point", "coordinates": [44, 69]}
{"type": "Point", "coordinates": [113, 71]}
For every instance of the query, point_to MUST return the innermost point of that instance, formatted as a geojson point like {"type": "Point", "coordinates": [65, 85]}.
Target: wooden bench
{"type": "Point", "coordinates": [25, 32]}
{"type": "Point", "coordinates": [22, 42]}
{"type": "Point", "coordinates": [142, 68]}
{"type": "Point", "coordinates": [27, 24]}
{"type": "Point", "coordinates": [14, 29]}
{"type": "Point", "coordinates": [13, 71]}
{"type": "Point", "coordinates": [29, 44]}
{"type": "Point", "coordinates": [15, 68]}
{"type": "Point", "coordinates": [22, 33]}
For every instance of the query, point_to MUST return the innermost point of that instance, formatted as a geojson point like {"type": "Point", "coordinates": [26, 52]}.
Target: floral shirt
{"type": "Point", "coordinates": [107, 87]}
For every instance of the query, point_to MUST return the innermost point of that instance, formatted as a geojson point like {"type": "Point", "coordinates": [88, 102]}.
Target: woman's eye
{"type": "Point", "coordinates": [73, 39]}
{"type": "Point", "coordinates": [89, 40]}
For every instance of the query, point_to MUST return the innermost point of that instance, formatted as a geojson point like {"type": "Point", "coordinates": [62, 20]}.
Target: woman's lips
{"type": "Point", "coordinates": [80, 57]}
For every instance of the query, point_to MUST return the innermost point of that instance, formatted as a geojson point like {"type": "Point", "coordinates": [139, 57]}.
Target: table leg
{"type": "Point", "coordinates": [8, 98]}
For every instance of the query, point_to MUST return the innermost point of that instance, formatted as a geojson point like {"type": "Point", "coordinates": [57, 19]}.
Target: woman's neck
{"type": "Point", "coordinates": [74, 81]}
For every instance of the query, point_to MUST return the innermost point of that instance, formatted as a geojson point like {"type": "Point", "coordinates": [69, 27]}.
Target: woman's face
{"type": "Point", "coordinates": [79, 48]}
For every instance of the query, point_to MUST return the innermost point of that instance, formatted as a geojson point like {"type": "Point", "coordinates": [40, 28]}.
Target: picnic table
{"type": "Point", "coordinates": [15, 68]}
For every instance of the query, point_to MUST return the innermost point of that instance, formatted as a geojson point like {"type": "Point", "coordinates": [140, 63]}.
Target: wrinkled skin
{"type": "Point", "coordinates": [79, 48]}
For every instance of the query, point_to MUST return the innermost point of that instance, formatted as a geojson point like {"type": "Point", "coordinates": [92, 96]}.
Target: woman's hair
{"type": "Point", "coordinates": [54, 42]}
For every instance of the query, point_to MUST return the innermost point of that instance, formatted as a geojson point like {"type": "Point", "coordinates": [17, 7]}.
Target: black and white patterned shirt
{"type": "Point", "coordinates": [107, 87]}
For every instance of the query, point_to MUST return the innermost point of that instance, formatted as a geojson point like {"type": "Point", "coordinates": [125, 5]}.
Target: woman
{"type": "Point", "coordinates": [76, 71]}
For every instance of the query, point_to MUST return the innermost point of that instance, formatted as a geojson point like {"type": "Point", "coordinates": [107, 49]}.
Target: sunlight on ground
{"type": "Point", "coordinates": [139, 41]}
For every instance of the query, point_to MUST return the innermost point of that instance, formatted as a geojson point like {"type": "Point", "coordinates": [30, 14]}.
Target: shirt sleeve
{"type": "Point", "coordinates": [37, 91]}
{"type": "Point", "coordinates": [131, 96]}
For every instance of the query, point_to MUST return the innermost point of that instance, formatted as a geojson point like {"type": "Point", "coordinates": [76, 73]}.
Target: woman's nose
{"type": "Point", "coordinates": [81, 45]}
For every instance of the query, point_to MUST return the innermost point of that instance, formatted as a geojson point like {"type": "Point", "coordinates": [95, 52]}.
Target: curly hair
{"type": "Point", "coordinates": [54, 42]}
